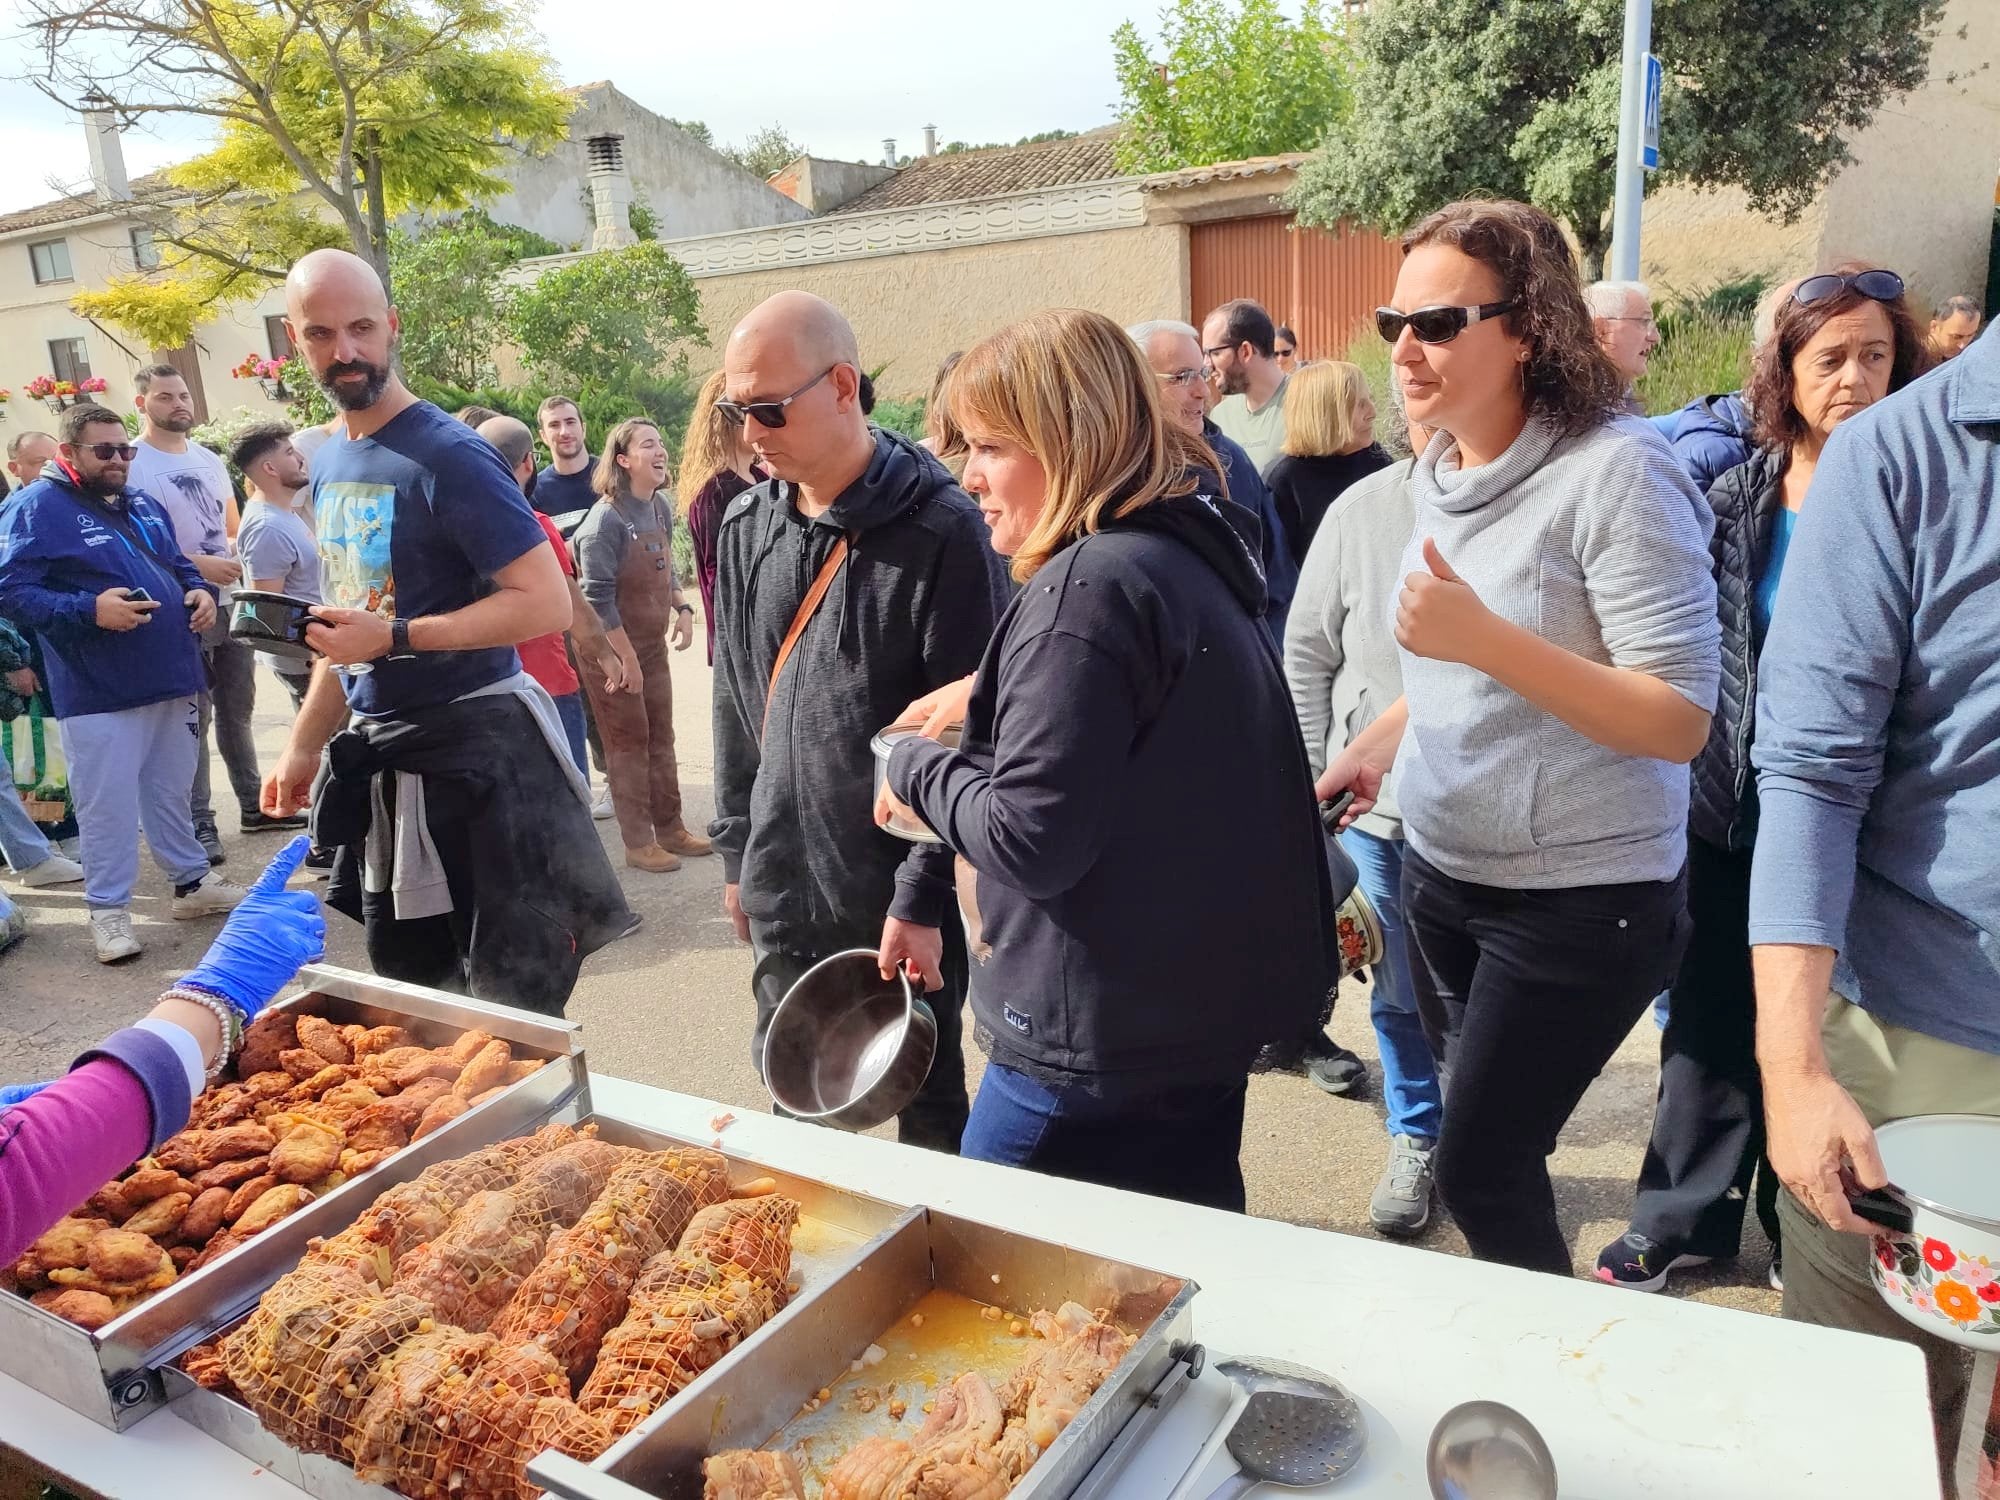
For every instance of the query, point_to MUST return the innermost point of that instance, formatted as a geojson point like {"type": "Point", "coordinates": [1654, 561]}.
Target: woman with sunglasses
{"type": "Point", "coordinates": [1285, 349]}
{"type": "Point", "coordinates": [625, 556]}
{"type": "Point", "coordinates": [1557, 636]}
{"type": "Point", "coordinates": [1840, 342]}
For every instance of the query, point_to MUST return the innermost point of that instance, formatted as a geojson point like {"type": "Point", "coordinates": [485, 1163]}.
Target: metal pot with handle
{"type": "Point", "coordinates": [1937, 1236]}
{"type": "Point", "coordinates": [1360, 930]}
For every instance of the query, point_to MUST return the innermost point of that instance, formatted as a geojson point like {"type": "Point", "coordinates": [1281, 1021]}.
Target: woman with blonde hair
{"type": "Point", "coordinates": [1329, 443]}
{"type": "Point", "coordinates": [625, 554]}
{"type": "Point", "coordinates": [716, 467]}
{"type": "Point", "coordinates": [1140, 947]}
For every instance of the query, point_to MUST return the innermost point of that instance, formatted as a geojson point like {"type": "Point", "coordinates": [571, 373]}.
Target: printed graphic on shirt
{"type": "Point", "coordinates": [356, 520]}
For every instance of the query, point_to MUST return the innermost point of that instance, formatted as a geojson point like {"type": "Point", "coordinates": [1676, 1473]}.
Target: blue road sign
{"type": "Point", "coordinates": [1649, 146]}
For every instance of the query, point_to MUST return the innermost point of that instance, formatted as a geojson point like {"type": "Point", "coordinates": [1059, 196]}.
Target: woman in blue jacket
{"type": "Point", "coordinates": [1137, 949]}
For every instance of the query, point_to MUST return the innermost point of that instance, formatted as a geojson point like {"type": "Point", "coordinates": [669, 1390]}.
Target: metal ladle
{"type": "Point", "coordinates": [1485, 1451]}
{"type": "Point", "coordinates": [1298, 1429]}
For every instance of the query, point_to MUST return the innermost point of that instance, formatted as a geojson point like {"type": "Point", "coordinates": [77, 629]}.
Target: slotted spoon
{"type": "Point", "coordinates": [1298, 1429]}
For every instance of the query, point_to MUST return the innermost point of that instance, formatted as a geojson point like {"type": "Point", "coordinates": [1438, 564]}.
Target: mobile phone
{"type": "Point", "coordinates": [138, 596]}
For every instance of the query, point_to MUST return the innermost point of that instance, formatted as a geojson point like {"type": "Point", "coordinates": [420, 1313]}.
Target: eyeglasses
{"type": "Point", "coordinates": [1876, 286]}
{"type": "Point", "coordinates": [769, 413]}
{"type": "Point", "coordinates": [1183, 378]}
{"type": "Point", "coordinates": [1435, 325]}
{"type": "Point", "coordinates": [105, 452]}
{"type": "Point", "coordinates": [1218, 349]}
{"type": "Point", "coordinates": [1282, 352]}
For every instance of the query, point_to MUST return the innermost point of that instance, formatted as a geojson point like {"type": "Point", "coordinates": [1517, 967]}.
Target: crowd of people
{"type": "Point", "coordinates": [1694, 713]}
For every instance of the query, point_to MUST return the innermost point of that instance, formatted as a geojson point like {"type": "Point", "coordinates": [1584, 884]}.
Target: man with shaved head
{"type": "Point", "coordinates": [465, 845]}
{"type": "Point", "coordinates": [854, 580]}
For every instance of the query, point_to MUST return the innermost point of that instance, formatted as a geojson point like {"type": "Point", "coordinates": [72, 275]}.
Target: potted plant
{"type": "Point", "coordinates": [268, 373]}
{"type": "Point", "coordinates": [55, 394]}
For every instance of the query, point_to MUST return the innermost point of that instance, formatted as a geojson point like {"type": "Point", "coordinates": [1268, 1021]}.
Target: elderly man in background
{"type": "Point", "coordinates": [1955, 324]}
{"type": "Point", "coordinates": [1621, 314]}
{"type": "Point", "coordinates": [26, 453]}
{"type": "Point", "coordinates": [1173, 350]}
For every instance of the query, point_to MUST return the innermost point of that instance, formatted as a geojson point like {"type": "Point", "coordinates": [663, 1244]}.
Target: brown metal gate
{"type": "Point", "coordinates": [1325, 286]}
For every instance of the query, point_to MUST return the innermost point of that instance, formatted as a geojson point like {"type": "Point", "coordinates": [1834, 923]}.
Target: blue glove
{"type": "Point", "coordinates": [265, 939]}
{"type": "Point", "coordinates": [13, 1093]}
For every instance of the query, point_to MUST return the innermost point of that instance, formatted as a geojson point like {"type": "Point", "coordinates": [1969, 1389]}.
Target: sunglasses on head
{"type": "Point", "coordinates": [1435, 325]}
{"type": "Point", "coordinates": [105, 452]}
{"type": "Point", "coordinates": [1877, 286]}
{"type": "Point", "coordinates": [768, 413]}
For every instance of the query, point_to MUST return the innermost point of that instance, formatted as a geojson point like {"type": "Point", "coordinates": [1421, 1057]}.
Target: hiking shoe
{"type": "Point", "coordinates": [686, 843]}
{"type": "Point", "coordinates": [262, 822]}
{"type": "Point", "coordinates": [55, 870]}
{"type": "Point", "coordinates": [111, 931]}
{"type": "Point", "coordinates": [211, 898]}
{"type": "Point", "coordinates": [211, 843]}
{"type": "Point", "coordinates": [1639, 1264]}
{"type": "Point", "coordinates": [1332, 1067]}
{"type": "Point", "coordinates": [1401, 1205]}
{"type": "Point", "coordinates": [602, 809]}
{"type": "Point", "coordinates": [652, 858]}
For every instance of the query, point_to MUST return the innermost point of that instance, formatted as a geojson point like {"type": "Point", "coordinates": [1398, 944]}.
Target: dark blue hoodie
{"type": "Point", "coordinates": [60, 547]}
{"type": "Point", "coordinates": [1135, 797]}
{"type": "Point", "coordinates": [1710, 436]}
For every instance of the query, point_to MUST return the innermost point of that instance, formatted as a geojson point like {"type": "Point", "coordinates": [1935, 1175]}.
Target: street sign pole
{"type": "Point", "coordinates": [1624, 265]}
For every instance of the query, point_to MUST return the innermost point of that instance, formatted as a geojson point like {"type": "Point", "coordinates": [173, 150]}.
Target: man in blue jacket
{"type": "Point", "coordinates": [91, 567]}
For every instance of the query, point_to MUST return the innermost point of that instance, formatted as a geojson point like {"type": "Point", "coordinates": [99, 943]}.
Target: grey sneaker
{"type": "Point", "coordinates": [55, 870]}
{"type": "Point", "coordinates": [111, 931]}
{"type": "Point", "coordinates": [1401, 1204]}
{"type": "Point", "coordinates": [211, 898]}
{"type": "Point", "coordinates": [600, 807]}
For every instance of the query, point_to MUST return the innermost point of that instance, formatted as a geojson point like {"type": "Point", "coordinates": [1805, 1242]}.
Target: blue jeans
{"type": "Point", "coordinates": [21, 843]}
{"type": "Point", "coordinates": [1178, 1141]}
{"type": "Point", "coordinates": [1409, 1073]}
{"type": "Point", "coordinates": [569, 708]}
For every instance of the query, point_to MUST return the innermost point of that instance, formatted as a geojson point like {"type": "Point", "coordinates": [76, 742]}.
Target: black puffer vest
{"type": "Point", "coordinates": [1723, 806]}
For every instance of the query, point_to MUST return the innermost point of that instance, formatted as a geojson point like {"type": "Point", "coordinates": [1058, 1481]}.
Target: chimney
{"type": "Point", "coordinates": [888, 151]}
{"type": "Point", "coordinates": [107, 151]}
{"type": "Point", "coordinates": [930, 140]}
{"type": "Point", "coordinates": [610, 194]}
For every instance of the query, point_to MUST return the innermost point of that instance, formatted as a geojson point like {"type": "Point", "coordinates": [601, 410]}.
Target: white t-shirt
{"type": "Point", "coordinates": [193, 489]}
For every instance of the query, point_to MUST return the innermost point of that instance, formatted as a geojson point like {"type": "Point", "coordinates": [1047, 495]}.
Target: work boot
{"type": "Point", "coordinates": [111, 931]}
{"type": "Point", "coordinates": [651, 858]}
{"type": "Point", "coordinates": [1401, 1205]}
{"type": "Point", "coordinates": [686, 843]}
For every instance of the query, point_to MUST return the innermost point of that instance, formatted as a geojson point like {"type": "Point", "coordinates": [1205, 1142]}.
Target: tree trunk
{"type": "Point", "coordinates": [371, 180]}
{"type": "Point", "coordinates": [1593, 244]}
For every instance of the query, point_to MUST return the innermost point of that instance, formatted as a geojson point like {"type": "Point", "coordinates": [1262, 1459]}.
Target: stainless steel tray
{"type": "Point", "coordinates": [836, 1233]}
{"type": "Point", "coordinates": [753, 1399]}
{"type": "Point", "coordinates": [111, 1376]}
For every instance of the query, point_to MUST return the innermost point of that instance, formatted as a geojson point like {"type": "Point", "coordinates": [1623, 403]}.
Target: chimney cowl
{"type": "Point", "coordinates": [888, 151]}
{"type": "Point", "coordinates": [610, 193]}
{"type": "Point", "coordinates": [930, 140]}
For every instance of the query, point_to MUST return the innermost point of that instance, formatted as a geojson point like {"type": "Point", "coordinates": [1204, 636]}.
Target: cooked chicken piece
{"type": "Point", "coordinates": [965, 1417]}
{"type": "Point", "coordinates": [301, 1062]}
{"type": "Point", "coordinates": [161, 1217]}
{"type": "Point", "coordinates": [307, 1153]}
{"type": "Point", "coordinates": [877, 1468]}
{"type": "Point", "coordinates": [560, 1186]}
{"type": "Point", "coordinates": [1049, 1388]}
{"type": "Point", "coordinates": [470, 1271]}
{"type": "Point", "coordinates": [315, 1086]}
{"type": "Point", "coordinates": [204, 1215]}
{"type": "Point", "coordinates": [320, 1187]}
{"type": "Point", "coordinates": [246, 1193]}
{"type": "Point", "coordinates": [353, 1163]}
{"type": "Point", "coordinates": [203, 1365]}
{"type": "Point", "coordinates": [527, 1067]}
{"type": "Point", "coordinates": [148, 1183]}
{"type": "Point", "coordinates": [66, 1243]}
{"type": "Point", "coordinates": [524, 1149]}
{"type": "Point", "coordinates": [320, 1035]}
{"type": "Point", "coordinates": [411, 1213]}
{"type": "Point", "coordinates": [389, 1059]}
{"type": "Point", "coordinates": [468, 1046]}
{"type": "Point", "coordinates": [108, 1202]}
{"type": "Point", "coordinates": [85, 1279]}
{"type": "Point", "coordinates": [343, 1101]}
{"type": "Point", "coordinates": [383, 1126]}
{"type": "Point", "coordinates": [219, 1245]}
{"type": "Point", "coordinates": [440, 1114]}
{"type": "Point", "coordinates": [1070, 1318]}
{"type": "Point", "coordinates": [1016, 1450]}
{"type": "Point", "coordinates": [194, 1151]}
{"type": "Point", "coordinates": [419, 1097]}
{"type": "Point", "coordinates": [276, 1203]}
{"type": "Point", "coordinates": [487, 1068]}
{"type": "Point", "coordinates": [90, 1310]}
{"type": "Point", "coordinates": [225, 1105]}
{"type": "Point", "coordinates": [269, 1084]}
{"type": "Point", "coordinates": [122, 1255]}
{"type": "Point", "coordinates": [754, 1233]}
{"type": "Point", "coordinates": [378, 1039]}
{"type": "Point", "coordinates": [487, 1421]}
{"type": "Point", "coordinates": [274, 1355]}
{"type": "Point", "coordinates": [429, 1065]}
{"type": "Point", "coordinates": [273, 1032]}
{"type": "Point", "coordinates": [230, 1174]}
{"type": "Point", "coordinates": [339, 1381]}
{"type": "Point", "coordinates": [700, 1313]}
{"type": "Point", "coordinates": [751, 1476]}
{"type": "Point", "coordinates": [183, 1256]}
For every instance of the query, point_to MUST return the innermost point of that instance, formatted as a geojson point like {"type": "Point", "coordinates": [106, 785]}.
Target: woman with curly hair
{"type": "Point", "coordinates": [716, 467]}
{"type": "Point", "coordinates": [1557, 635]}
{"type": "Point", "coordinates": [1841, 341]}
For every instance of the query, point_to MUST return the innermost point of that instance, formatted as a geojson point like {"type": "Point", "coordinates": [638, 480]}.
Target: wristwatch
{"type": "Point", "coordinates": [399, 639]}
{"type": "Point", "coordinates": [686, 608]}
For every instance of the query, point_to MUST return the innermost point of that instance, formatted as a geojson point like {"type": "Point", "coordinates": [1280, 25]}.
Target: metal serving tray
{"type": "Point", "coordinates": [837, 1231]}
{"type": "Point", "coordinates": [753, 1399]}
{"type": "Point", "coordinates": [112, 1377]}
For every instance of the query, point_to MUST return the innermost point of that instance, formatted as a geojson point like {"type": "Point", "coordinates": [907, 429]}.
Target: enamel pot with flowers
{"type": "Point", "coordinates": [1936, 1255]}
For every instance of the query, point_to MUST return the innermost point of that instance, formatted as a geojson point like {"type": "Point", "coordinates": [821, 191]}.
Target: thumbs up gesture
{"type": "Point", "coordinates": [1438, 615]}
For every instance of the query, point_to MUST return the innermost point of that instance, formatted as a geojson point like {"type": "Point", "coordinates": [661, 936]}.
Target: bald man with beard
{"type": "Point", "coordinates": [465, 844]}
{"type": "Point", "coordinates": [864, 554]}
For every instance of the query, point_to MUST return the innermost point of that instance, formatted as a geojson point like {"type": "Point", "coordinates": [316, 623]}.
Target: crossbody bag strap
{"type": "Point", "coordinates": [808, 607]}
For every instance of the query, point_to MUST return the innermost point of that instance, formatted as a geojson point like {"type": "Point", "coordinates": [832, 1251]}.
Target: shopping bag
{"type": "Point", "coordinates": [32, 749]}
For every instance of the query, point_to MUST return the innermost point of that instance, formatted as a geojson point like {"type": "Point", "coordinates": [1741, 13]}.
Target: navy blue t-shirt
{"type": "Point", "coordinates": [565, 498]}
{"type": "Point", "coordinates": [415, 521]}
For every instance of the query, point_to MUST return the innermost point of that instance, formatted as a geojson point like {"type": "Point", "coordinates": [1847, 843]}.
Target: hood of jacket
{"type": "Point", "coordinates": [1220, 532]}
{"type": "Point", "coordinates": [1724, 415]}
{"type": "Point", "coordinates": [899, 477]}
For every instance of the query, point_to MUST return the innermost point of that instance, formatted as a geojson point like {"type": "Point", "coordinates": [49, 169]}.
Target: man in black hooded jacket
{"type": "Point", "coordinates": [908, 590]}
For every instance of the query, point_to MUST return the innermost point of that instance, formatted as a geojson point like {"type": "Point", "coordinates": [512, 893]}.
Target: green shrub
{"type": "Point", "coordinates": [906, 417]}
{"type": "Point", "coordinates": [1700, 354]}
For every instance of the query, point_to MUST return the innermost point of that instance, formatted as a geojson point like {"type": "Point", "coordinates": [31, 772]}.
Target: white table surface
{"type": "Point", "coordinates": [1637, 1395]}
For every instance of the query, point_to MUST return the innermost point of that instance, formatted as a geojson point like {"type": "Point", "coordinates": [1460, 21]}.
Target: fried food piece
{"type": "Point", "coordinates": [109, 1202]}
{"type": "Point", "coordinates": [224, 1105]}
{"type": "Point", "coordinates": [183, 1256]}
{"type": "Point", "coordinates": [345, 1100]}
{"type": "Point", "coordinates": [148, 1183]}
{"type": "Point", "coordinates": [246, 1194]}
{"type": "Point", "coordinates": [468, 1046]}
{"type": "Point", "coordinates": [378, 1039]}
{"type": "Point", "coordinates": [219, 1245]}
{"type": "Point", "coordinates": [487, 1068]}
{"type": "Point", "coordinates": [83, 1278]}
{"type": "Point", "coordinates": [307, 1153]}
{"type": "Point", "coordinates": [203, 1365]}
{"type": "Point", "coordinates": [441, 1113]}
{"type": "Point", "coordinates": [122, 1255]}
{"type": "Point", "coordinates": [161, 1217]}
{"type": "Point", "coordinates": [204, 1215]}
{"type": "Point", "coordinates": [231, 1174]}
{"type": "Point", "coordinates": [90, 1310]}
{"type": "Point", "coordinates": [353, 1163]}
{"type": "Point", "coordinates": [65, 1243]}
{"type": "Point", "coordinates": [271, 1083]}
{"type": "Point", "coordinates": [744, 1475]}
{"type": "Point", "coordinates": [301, 1062]}
{"type": "Point", "coordinates": [314, 1086]}
{"type": "Point", "coordinates": [272, 1205]}
{"type": "Point", "coordinates": [420, 1096]}
{"type": "Point", "coordinates": [193, 1151]}
{"type": "Point", "coordinates": [430, 1065]}
{"type": "Point", "coordinates": [382, 1126]}
{"type": "Point", "coordinates": [273, 1032]}
{"type": "Point", "coordinates": [317, 1034]}
{"type": "Point", "coordinates": [527, 1067]}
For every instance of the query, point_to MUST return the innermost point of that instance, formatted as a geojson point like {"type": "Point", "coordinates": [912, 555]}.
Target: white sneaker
{"type": "Point", "coordinates": [112, 932]}
{"type": "Point", "coordinates": [209, 899]}
{"type": "Point", "coordinates": [55, 870]}
{"type": "Point", "coordinates": [601, 808]}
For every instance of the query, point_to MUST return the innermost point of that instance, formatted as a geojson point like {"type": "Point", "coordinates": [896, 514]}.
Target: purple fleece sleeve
{"type": "Point", "coordinates": [65, 1143]}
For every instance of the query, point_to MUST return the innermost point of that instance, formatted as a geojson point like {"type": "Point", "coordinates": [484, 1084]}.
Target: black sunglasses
{"type": "Point", "coordinates": [1435, 325]}
{"type": "Point", "coordinates": [105, 452]}
{"type": "Point", "coordinates": [1877, 286]}
{"type": "Point", "coordinates": [768, 413]}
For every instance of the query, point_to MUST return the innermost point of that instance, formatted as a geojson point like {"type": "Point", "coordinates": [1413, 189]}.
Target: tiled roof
{"type": "Point", "coordinates": [151, 186]}
{"type": "Point", "coordinates": [990, 173]}
{"type": "Point", "coordinates": [1227, 171]}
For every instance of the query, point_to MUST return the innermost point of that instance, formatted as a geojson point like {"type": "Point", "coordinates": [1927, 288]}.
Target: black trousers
{"type": "Point", "coordinates": [935, 1119]}
{"type": "Point", "coordinates": [1524, 995]}
{"type": "Point", "coordinates": [1708, 1126]}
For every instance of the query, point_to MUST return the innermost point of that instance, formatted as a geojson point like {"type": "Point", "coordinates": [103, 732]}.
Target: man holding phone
{"type": "Point", "coordinates": [92, 568]}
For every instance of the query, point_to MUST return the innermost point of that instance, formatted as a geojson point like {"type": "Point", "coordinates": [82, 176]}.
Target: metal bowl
{"type": "Point", "coordinates": [912, 829]}
{"type": "Point", "coordinates": [847, 1047]}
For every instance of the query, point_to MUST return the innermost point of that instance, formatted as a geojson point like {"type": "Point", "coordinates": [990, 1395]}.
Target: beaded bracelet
{"type": "Point", "coordinates": [226, 1015]}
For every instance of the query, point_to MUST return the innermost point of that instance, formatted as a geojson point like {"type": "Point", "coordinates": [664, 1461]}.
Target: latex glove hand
{"type": "Point", "coordinates": [266, 939]}
{"type": "Point", "coordinates": [13, 1093]}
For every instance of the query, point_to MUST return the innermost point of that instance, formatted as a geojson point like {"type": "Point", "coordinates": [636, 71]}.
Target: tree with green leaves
{"type": "Point", "coordinates": [605, 318]}
{"type": "Point", "coordinates": [954, 148]}
{"type": "Point", "coordinates": [767, 151]}
{"type": "Point", "coordinates": [1519, 99]}
{"type": "Point", "coordinates": [448, 294]}
{"type": "Point", "coordinates": [1235, 78]}
{"type": "Point", "coordinates": [332, 118]}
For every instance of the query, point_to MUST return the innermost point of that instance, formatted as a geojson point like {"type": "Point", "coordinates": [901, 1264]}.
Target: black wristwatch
{"type": "Point", "coordinates": [399, 639]}
{"type": "Point", "coordinates": [685, 608]}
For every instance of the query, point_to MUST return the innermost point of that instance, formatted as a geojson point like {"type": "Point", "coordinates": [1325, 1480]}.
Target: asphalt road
{"type": "Point", "coordinates": [671, 1006]}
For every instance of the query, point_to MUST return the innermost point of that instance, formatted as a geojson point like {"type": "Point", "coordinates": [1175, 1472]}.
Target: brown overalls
{"type": "Point", "coordinates": [638, 728]}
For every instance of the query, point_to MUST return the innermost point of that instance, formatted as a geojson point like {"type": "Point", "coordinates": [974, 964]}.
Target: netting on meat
{"type": "Point", "coordinates": [754, 1233]}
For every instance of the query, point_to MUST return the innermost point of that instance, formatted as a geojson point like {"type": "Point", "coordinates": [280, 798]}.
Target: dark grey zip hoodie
{"type": "Point", "coordinates": [912, 609]}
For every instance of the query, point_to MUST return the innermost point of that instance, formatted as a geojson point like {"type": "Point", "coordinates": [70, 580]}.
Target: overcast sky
{"type": "Point", "coordinates": [838, 77]}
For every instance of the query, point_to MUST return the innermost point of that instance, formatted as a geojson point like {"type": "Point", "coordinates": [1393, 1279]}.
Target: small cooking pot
{"type": "Point", "coordinates": [912, 828]}
{"type": "Point", "coordinates": [847, 1047]}
{"type": "Point", "coordinates": [1358, 928]}
{"type": "Point", "coordinates": [275, 623]}
{"type": "Point", "coordinates": [1937, 1240]}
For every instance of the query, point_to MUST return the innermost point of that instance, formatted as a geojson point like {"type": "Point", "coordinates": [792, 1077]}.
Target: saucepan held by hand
{"type": "Point", "coordinates": [1936, 1258]}
{"type": "Point", "coordinates": [275, 623]}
